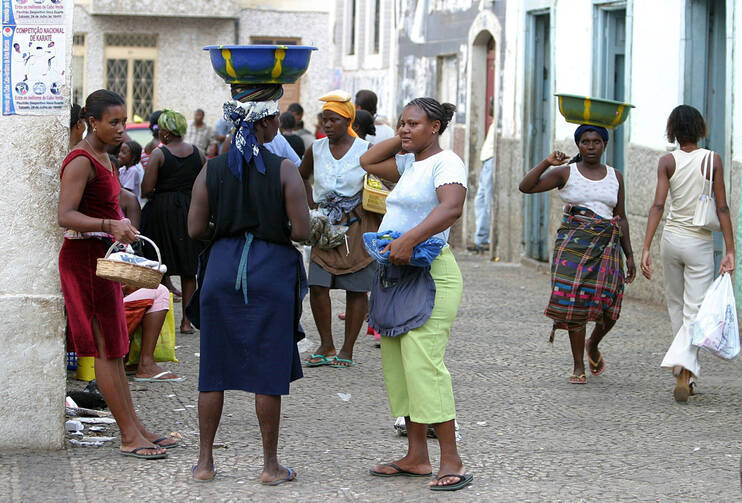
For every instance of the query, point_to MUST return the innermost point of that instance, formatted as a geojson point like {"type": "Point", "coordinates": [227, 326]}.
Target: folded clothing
{"type": "Point", "coordinates": [423, 254]}
{"type": "Point", "coordinates": [130, 258]}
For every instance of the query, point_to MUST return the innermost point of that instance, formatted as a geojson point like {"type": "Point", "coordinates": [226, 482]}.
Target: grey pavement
{"type": "Point", "coordinates": [527, 435]}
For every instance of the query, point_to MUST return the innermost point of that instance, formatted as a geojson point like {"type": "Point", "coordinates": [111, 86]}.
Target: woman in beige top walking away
{"type": "Point", "coordinates": [687, 251]}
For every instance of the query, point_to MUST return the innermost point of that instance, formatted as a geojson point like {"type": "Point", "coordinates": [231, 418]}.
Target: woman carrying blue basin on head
{"type": "Point", "coordinates": [250, 205]}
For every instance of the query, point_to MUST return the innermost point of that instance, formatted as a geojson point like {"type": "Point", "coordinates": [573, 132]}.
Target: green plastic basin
{"type": "Point", "coordinates": [593, 111]}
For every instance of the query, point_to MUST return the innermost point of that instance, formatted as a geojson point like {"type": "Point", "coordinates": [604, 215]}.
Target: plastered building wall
{"type": "Point", "coordinates": [185, 80]}
{"type": "Point", "coordinates": [31, 305]}
{"type": "Point", "coordinates": [656, 68]}
{"type": "Point", "coordinates": [312, 28]}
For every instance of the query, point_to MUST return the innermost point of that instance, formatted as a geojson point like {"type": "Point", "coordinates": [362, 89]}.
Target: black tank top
{"type": "Point", "coordinates": [254, 204]}
{"type": "Point", "coordinates": [177, 174]}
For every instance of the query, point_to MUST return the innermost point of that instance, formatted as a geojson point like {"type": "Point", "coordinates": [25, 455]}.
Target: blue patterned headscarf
{"type": "Point", "coordinates": [248, 106]}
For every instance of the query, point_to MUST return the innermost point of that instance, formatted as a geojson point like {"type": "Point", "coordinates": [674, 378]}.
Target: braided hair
{"type": "Point", "coordinates": [442, 112]}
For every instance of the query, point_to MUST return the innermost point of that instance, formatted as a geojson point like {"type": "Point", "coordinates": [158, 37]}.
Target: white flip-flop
{"type": "Point", "coordinates": [158, 378]}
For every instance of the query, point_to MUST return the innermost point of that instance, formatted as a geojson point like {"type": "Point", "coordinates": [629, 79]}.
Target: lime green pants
{"type": "Point", "coordinates": [418, 383]}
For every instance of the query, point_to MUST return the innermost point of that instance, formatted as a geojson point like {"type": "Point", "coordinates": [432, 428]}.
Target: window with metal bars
{"type": "Point", "coordinates": [78, 68]}
{"type": "Point", "coordinates": [130, 70]}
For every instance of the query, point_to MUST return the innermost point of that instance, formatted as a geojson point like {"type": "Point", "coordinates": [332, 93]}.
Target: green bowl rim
{"type": "Point", "coordinates": [603, 100]}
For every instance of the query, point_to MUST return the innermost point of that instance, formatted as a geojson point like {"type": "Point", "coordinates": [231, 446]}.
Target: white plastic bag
{"type": "Point", "coordinates": [716, 329]}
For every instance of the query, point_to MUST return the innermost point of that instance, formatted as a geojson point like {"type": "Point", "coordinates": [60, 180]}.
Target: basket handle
{"type": "Point", "coordinates": [139, 236]}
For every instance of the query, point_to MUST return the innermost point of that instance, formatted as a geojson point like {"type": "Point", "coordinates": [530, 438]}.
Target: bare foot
{"type": "Point", "coordinates": [203, 471]}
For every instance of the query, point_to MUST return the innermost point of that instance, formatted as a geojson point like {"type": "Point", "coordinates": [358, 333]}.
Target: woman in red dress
{"type": "Point", "coordinates": [89, 212]}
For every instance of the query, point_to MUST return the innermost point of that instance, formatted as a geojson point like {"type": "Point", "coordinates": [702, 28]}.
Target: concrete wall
{"type": "Point", "coordinates": [31, 306]}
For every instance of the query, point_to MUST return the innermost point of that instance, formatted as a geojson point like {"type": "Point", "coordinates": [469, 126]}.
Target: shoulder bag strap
{"type": "Point", "coordinates": [709, 158]}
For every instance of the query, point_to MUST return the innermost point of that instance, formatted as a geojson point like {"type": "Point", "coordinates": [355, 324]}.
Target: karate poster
{"type": "Point", "coordinates": [33, 12]}
{"type": "Point", "coordinates": [33, 70]}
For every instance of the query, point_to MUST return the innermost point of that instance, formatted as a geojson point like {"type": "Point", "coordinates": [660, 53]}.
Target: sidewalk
{"type": "Point", "coordinates": [527, 435]}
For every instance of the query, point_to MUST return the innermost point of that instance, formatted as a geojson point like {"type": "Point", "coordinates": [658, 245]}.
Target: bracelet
{"type": "Point", "coordinates": [102, 223]}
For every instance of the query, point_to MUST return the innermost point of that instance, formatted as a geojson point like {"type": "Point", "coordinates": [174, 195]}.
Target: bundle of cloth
{"type": "Point", "coordinates": [423, 254]}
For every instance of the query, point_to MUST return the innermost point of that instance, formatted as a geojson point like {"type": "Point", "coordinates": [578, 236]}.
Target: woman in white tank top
{"type": "Point", "coordinates": [687, 251]}
{"type": "Point", "coordinates": [587, 271]}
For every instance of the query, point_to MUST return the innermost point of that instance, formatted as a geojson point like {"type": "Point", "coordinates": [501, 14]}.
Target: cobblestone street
{"type": "Point", "coordinates": [526, 434]}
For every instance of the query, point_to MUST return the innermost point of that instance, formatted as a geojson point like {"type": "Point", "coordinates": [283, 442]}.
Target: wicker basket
{"type": "Point", "coordinates": [136, 276]}
{"type": "Point", "coordinates": [374, 199]}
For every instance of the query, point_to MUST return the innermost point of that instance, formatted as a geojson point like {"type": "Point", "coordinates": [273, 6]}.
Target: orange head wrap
{"type": "Point", "coordinates": [340, 102]}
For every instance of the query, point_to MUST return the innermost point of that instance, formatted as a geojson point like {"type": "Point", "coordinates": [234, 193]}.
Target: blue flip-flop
{"type": "Point", "coordinates": [291, 476]}
{"type": "Point", "coordinates": [324, 360]}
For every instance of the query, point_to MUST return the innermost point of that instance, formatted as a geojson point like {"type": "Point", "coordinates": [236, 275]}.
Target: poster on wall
{"type": "Point", "coordinates": [33, 12]}
{"type": "Point", "coordinates": [33, 70]}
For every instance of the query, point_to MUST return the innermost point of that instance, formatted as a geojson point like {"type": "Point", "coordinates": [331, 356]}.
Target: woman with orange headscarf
{"type": "Point", "coordinates": [338, 184]}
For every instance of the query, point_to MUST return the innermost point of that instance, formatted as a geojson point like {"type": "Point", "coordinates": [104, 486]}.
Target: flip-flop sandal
{"type": "Point", "coordinates": [345, 363]}
{"type": "Point", "coordinates": [193, 473]}
{"type": "Point", "coordinates": [400, 472]}
{"type": "Point", "coordinates": [134, 453]}
{"type": "Point", "coordinates": [324, 360]}
{"type": "Point", "coordinates": [464, 480]}
{"type": "Point", "coordinates": [600, 364]}
{"type": "Point", "coordinates": [291, 476]}
{"type": "Point", "coordinates": [578, 379]}
{"type": "Point", "coordinates": [158, 378]}
{"type": "Point", "coordinates": [166, 446]}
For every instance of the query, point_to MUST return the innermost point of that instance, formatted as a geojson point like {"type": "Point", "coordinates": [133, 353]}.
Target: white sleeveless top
{"type": "Point", "coordinates": [686, 184]}
{"type": "Point", "coordinates": [600, 196]}
{"type": "Point", "coordinates": [344, 176]}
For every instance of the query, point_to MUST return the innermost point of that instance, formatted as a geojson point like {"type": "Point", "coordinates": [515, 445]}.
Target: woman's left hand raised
{"type": "Point", "coordinates": [400, 251]}
{"type": "Point", "coordinates": [727, 263]}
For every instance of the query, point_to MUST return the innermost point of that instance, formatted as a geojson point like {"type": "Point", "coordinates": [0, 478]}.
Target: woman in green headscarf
{"type": "Point", "coordinates": [168, 181]}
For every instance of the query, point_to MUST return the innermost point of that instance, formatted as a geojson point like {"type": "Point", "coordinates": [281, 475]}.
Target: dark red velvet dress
{"type": "Point", "coordinates": [87, 296]}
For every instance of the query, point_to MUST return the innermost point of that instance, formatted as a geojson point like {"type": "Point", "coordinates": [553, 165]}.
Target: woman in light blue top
{"type": "Point", "coordinates": [427, 200]}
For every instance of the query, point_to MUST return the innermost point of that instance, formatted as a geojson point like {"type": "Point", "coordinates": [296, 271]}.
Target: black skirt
{"type": "Point", "coordinates": [165, 221]}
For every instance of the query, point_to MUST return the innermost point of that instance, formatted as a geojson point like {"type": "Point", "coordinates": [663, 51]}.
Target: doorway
{"type": "Point", "coordinates": [610, 79]}
{"type": "Point", "coordinates": [537, 121]}
{"type": "Point", "coordinates": [706, 79]}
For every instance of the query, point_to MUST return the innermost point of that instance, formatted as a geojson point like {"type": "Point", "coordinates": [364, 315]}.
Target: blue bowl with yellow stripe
{"type": "Point", "coordinates": [593, 111]}
{"type": "Point", "coordinates": [260, 64]}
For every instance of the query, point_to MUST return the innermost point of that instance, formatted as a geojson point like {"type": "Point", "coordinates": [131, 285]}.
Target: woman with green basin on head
{"type": "Point", "coordinates": [587, 277]}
